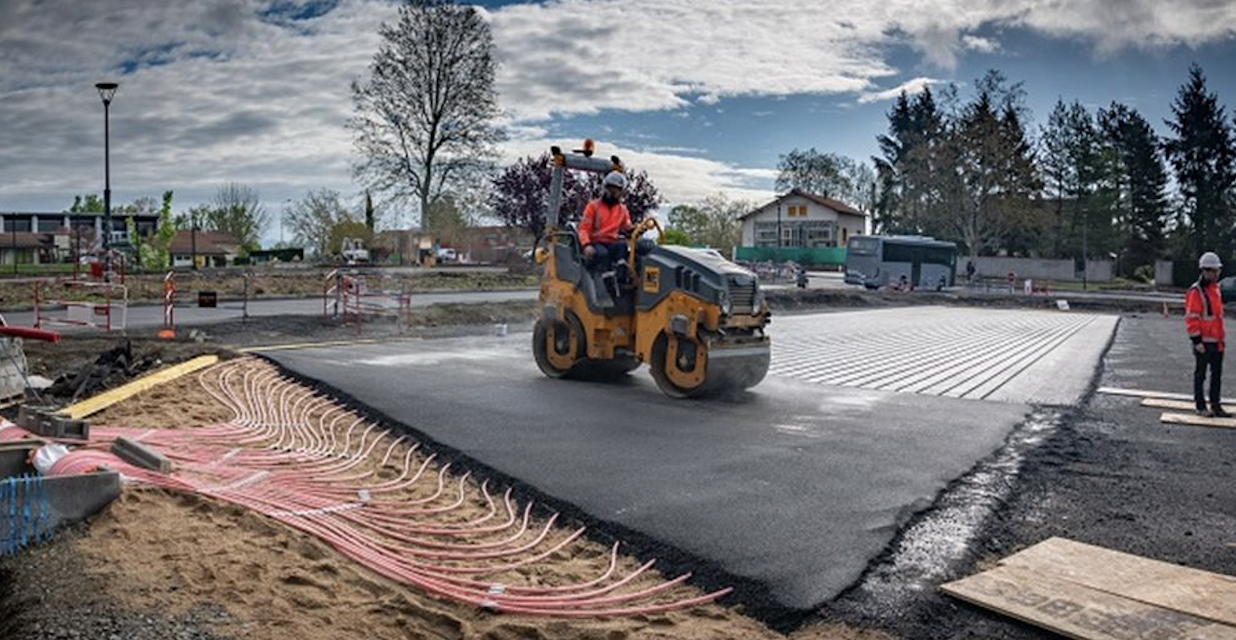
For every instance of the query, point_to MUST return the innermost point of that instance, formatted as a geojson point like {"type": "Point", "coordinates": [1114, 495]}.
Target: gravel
{"type": "Point", "coordinates": [47, 594]}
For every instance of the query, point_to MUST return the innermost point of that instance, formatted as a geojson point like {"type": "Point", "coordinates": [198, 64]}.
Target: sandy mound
{"type": "Point", "coordinates": [173, 552]}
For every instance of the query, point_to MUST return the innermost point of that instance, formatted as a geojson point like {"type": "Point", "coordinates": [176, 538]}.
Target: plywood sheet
{"type": "Point", "coordinates": [1078, 611]}
{"type": "Point", "coordinates": [1192, 419]}
{"type": "Point", "coordinates": [1162, 395]}
{"type": "Point", "coordinates": [1198, 593]}
{"type": "Point", "coordinates": [1178, 405]}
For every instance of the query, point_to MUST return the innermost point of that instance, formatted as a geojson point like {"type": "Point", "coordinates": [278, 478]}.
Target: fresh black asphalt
{"type": "Point", "coordinates": [793, 487]}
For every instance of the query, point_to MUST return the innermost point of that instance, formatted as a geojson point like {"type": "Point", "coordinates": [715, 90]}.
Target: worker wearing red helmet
{"type": "Point", "coordinates": [1204, 322]}
{"type": "Point", "coordinates": [604, 220]}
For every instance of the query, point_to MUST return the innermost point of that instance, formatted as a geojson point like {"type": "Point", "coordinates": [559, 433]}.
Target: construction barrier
{"type": "Point", "coordinates": [169, 301]}
{"type": "Point", "coordinates": [330, 289]}
{"type": "Point", "coordinates": [99, 305]}
{"type": "Point", "coordinates": [358, 300]}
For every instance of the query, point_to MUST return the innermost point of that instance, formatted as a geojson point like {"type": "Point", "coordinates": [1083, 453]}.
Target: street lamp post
{"type": "Point", "coordinates": [107, 90]}
{"type": "Point", "coordinates": [193, 237]}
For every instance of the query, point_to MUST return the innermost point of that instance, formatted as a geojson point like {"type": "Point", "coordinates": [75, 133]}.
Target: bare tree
{"type": "Point", "coordinates": [713, 223]}
{"type": "Point", "coordinates": [238, 210]}
{"type": "Point", "coordinates": [313, 217]}
{"type": "Point", "coordinates": [426, 114]}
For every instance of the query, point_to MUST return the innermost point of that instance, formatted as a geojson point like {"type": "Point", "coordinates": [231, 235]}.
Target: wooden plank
{"type": "Point", "coordinates": [1178, 405]}
{"type": "Point", "coordinates": [1162, 395]}
{"type": "Point", "coordinates": [106, 399]}
{"type": "Point", "coordinates": [1198, 593]}
{"type": "Point", "coordinates": [1194, 420]}
{"type": "Point", "coordinates": [1077, 611]}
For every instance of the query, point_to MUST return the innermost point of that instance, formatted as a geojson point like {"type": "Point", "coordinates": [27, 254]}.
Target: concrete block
{"type": "Point", "coordinates": [44, 421]}
{"type": "Point", "coordinates": [140, 455]}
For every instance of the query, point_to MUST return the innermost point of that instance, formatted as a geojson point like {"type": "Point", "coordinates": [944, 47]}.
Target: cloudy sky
{"type": "Point", "coordinates": [703, 95]}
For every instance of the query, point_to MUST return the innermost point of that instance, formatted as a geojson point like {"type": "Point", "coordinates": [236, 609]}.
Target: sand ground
{"type": "Point", "coordinates": [162, 551]}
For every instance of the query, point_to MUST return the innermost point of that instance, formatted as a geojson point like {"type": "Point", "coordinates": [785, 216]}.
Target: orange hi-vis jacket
{"type": "Point", "coordinates": [602, 223]}
{"type": "Point", "coordinates": [1204, 314]}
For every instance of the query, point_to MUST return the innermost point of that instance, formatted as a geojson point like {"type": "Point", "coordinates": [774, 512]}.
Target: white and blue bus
{"type": "Point", "coordinates": [878, 261]}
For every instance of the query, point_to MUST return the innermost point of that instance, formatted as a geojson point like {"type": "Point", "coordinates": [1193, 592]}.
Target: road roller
{"type": "Point", "coordinates": [695, 318]}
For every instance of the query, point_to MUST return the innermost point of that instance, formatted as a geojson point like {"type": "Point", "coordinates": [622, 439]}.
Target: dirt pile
{"type": "Point", "coordinates": [82, 366]}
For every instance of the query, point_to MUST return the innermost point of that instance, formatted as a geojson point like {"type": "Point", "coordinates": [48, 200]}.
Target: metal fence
{"type": "Point", "coordinates": [807, 256]}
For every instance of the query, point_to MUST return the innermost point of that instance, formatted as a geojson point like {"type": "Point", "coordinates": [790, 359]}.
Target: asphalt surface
{"type": "Point", "coordinates": [789, 491]}
{"type": "Point", "coordinates": [191, 315]}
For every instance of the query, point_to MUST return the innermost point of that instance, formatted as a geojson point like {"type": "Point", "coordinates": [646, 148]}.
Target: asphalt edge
{"type": "Point", "coordinates": [964, 564]}
{"type": "Point", "coordinates": [753, 597]}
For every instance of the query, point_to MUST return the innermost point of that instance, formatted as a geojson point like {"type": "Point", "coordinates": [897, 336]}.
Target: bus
{"type": "Point", "coordinates": [877, 261]}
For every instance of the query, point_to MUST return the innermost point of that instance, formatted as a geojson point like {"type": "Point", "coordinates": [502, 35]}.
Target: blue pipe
{"type": "Point", "coordinates": [6, 509]}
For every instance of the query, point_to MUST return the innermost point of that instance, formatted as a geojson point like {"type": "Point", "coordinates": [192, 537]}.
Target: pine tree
{"type": "Point", "coordinates": [889, 214]}
{"type": "Point", "coordinates": [905, 172]}
{"type": "Point", "coordinates": [1201, 154]}
{"type": "Point", "coordinates": [1142, 185]}
{"type": "Point", "coordinates": [1057, 170]}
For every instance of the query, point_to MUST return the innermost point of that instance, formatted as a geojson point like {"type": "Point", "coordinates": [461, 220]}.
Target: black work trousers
{"type": "Point", "coordinates": [607, 253]}
{"type": "Point", "coordinates": [1212, 358]}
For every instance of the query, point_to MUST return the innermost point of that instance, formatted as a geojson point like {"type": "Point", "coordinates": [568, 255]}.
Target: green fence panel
{"type": "Point", "coordinates": [833, 256]}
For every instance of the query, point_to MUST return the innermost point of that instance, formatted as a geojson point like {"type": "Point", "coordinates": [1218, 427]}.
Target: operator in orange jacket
{"type": "Point", "coordinates": [1204, 322]}
{"type": "Point", "coordinates": [604, 219]}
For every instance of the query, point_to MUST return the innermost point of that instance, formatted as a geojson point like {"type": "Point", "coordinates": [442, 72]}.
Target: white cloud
{"type": "Point", "coordinates": [584, 56]}
{"type": "Point", "coordinates": [213, 93]}
{"type": "Point", "coordinates": [980, 44]}
{"type": "Point", "coordinates": [680, 178]}
{"type": "Point", "coordinates": [911, 87]}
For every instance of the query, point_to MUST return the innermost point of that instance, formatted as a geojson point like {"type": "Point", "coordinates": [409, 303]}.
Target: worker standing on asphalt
{"type": "Point", "coordinates": [1204, 322]}
{"type": "Point", "coordinates": [604, 219]}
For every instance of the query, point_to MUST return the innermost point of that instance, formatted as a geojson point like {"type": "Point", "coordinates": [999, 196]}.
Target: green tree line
{"type": "Point", "coordinates": [1093, 183]}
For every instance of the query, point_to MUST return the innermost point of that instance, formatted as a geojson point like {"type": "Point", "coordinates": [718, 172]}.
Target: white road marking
{"type": "Point", "coordinates": [960, 353]}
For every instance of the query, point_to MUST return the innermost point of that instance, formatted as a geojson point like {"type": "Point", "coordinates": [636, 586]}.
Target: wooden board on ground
{"type": "Point", "coordinates": [1162, 395]}
{"type": "Point", "coordinates": [106, 399]}
{"type": "Point", "coordinates": [1171, 586]}
{"type": "Point", "coordinates": [1091, 593]}
{"type": "Point", "coordinates": [1178, 405]}
{"type": "Point", "coordinates": [1194, 420]}
{"type": "Point", "coordinates": [1079, 612]}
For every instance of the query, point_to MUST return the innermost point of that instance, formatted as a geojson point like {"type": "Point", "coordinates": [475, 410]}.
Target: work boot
{"type": "Point", "coordinates": [1219, 412]}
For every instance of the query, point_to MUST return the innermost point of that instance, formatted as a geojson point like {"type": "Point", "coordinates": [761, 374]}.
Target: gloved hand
{"type": "Point", "coordinates": [590, 251]}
